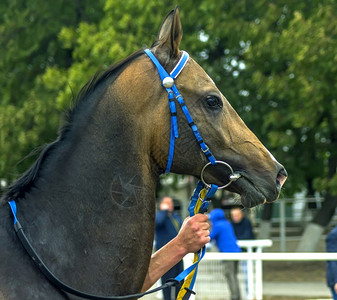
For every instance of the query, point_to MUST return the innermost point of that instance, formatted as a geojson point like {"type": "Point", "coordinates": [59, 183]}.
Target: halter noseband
{"type": "Point", "coordinates": [173, 93]}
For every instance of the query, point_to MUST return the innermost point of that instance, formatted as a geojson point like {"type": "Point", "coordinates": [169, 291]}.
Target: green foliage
{"type": "Point", "coordinates": [274, 60]}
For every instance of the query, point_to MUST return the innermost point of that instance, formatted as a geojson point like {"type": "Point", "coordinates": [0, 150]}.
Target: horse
{"type": "Point", "coordinates": [87, 204]}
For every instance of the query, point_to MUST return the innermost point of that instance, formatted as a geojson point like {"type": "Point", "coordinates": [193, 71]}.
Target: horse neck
{"type": "Point", "coordinates": [96, 191]}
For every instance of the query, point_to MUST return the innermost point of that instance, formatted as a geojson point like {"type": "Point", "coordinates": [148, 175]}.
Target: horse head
{"type": "Point", "coordinates": [224, 132]}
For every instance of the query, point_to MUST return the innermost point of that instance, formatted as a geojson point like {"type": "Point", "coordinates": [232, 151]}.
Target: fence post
{"type": "Point", "coordinates": [250, 275]}
{"type": "Point", "coordinates": [282, 225]}
{"type": "Point", "coordinates": [254, 268]}
{"type": "Point", "coordinates": [258, 276]}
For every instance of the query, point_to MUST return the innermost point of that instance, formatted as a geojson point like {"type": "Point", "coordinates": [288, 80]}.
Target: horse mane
{"type": "Point", "coordinates": [25, 182]}
{"type": "Point", "coordinates": [91, 86]}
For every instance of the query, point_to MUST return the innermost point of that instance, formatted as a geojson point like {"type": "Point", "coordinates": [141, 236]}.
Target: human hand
{"type": "Point", "coordinates": [335, 287]}
{"type": "Point", "coordinates": [194, 233]}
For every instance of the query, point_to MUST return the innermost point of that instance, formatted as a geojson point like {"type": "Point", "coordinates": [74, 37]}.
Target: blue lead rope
{"type": "Point", "coordinates": [199, 204]}
{"type": "Point", "coordinates": [12, 205]}
{"type": "Point", "coordinates": [57, 282]}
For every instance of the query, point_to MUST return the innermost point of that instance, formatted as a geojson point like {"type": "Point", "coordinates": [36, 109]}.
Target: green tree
{"type": "Point", "coordinates": [29, 46]}
{"type": "Point", "coordinates": [285, 89]}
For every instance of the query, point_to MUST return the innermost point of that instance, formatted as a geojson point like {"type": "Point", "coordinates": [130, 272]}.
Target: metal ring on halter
{"type": "Point", "coordinates": [232, 177]}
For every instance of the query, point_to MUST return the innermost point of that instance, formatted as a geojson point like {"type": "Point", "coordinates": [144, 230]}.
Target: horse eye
{"type": "Point", "coordinates": [213, 102]}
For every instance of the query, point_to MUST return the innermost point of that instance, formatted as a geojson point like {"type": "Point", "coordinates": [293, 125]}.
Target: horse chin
{"type": "Point", "coordinates": [252, 198]}
{"type": "Point", "coordinates": [250, 195]}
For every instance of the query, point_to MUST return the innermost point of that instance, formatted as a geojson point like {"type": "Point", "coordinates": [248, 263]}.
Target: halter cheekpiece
{"type": "Point", "coordinates": [173, 93]}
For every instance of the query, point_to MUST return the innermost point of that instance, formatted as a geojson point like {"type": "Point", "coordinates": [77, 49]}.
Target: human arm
{"type": "Point", "coordinates": [193, 235]}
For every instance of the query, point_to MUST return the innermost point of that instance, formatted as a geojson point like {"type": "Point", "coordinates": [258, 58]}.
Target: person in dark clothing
{"type": "Point", "coordinates": [222, 232]}
{"type": "Point", "coordinates": [242, 226]}
{"type": "Point", "coordinates": [243, 230]}
{"type": "Point", "coordinates": [331, 266]}
{"type": "Point", "coordinates": [167, 227]}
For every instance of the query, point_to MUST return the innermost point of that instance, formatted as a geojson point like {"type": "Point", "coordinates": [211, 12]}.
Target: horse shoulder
{"type": "Point", "coordinates": [19, 277]}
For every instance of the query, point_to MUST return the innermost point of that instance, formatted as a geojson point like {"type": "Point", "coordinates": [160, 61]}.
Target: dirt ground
{"type": "Point", "coordinates": [293, 271]}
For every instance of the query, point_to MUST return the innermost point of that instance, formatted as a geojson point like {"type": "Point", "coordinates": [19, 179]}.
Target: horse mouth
{"type": "Point", "coordinates": [253, 194]}
{"type": "Point", "coordinates": [250, 195]}
{"type": "Point", "coordinates": [254, 189]}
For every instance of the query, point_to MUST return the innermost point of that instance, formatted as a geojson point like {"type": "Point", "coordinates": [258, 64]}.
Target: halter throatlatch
{"type": "Point", "coordinates": [199, 201]}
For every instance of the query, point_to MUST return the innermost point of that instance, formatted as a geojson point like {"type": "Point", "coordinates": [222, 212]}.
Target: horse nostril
{"type": "Point", "coordinates": [281, 176]}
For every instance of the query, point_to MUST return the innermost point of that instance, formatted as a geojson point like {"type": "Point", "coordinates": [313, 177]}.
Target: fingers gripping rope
{"type": "Point", "coordinates": [198, 204]}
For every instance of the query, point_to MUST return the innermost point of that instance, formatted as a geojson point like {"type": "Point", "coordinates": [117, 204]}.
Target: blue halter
{"type": "Point", "coordinates": [173, 93]}
{"type": "Point", "coordinates": [199, 201]}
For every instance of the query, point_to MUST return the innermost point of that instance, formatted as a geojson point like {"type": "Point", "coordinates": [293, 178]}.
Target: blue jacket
{"type": "Point", "coordinates": [222, 232]}
{"type": "Point", "coordinates": [165, 229]}
{"type": "Point", "coordinates": [331, 266]}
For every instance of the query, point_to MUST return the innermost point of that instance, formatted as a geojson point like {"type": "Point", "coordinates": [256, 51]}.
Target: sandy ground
{"type": "Point", "coordinates": [291, 271]}
{"type": "Point", "coordinates": [294, 271]}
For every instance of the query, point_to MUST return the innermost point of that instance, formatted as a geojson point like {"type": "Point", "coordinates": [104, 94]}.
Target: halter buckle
{"type": "Point", "coordinates": [205, 150]}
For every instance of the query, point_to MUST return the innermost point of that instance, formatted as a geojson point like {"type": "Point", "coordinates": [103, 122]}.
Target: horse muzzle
{"type": "Point", "coordinates": [254, 189]}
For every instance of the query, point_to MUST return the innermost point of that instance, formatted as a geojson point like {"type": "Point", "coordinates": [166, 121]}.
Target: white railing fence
{"type": "Point", "coordinates": [252, 286]}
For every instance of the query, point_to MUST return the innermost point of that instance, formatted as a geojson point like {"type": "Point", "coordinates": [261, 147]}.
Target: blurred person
{"type": "Point", "coordinates": [167, 226]}
{"type": "Point", "coordinates": [243, 230]}
{"type": "Point", "coordinates": [242, 226]}
{"type": "Point", "coordinates": [331, 266]}
{"type": "Point", "coordinates": [223, 234]}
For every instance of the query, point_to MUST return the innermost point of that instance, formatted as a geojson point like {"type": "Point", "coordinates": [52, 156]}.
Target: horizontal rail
{"type": "Point", "coordinates": [255, 243]}
{"type": "Point", "coordinates": [272, 256]}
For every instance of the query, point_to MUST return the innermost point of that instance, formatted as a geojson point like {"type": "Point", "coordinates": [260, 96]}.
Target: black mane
{"type": "Point", "coordinates": [96, 80]}
{"type": "Point", "coordinates": [23, 184]}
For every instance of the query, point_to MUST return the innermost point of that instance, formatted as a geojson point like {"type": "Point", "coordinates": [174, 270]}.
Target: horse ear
{"type": "Point", "coordinates": [170, 34]}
